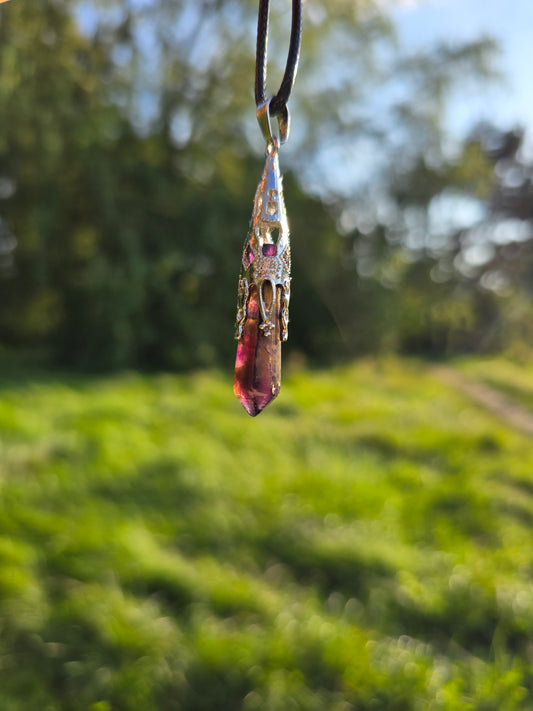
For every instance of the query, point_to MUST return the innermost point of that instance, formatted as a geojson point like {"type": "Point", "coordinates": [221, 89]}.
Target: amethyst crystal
{"type": "Point", "coordinates": [257, 378]}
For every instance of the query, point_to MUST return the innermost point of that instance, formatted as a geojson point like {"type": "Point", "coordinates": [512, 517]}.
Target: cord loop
{"type": "Point", "coordinates": [276, 105]}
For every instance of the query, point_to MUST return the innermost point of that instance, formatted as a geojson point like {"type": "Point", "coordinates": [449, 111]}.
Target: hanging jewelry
{"type": "Point", "coordinates": [264, 284]}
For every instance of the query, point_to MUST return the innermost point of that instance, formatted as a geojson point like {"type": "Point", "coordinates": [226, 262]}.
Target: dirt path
{"type": "Point", "coordinates": [515, 415]}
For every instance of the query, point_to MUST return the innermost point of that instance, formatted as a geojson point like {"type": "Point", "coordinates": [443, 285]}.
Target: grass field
{"type": "Point", "coordinates": [365, 543]}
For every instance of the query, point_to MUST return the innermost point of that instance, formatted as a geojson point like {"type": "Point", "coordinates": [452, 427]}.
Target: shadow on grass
{"type": "Point", "coordinates": [523, 486]}
{"type": "Point", "coordinates": [164, 488]}
{"type": "Point", "coordinates": [349, 571]}
{"type": "Point", "coordinates": [434, 456]}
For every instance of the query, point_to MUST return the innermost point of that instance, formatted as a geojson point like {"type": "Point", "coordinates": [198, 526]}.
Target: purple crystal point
{"type": "Point", "coordinates": [257, 378]}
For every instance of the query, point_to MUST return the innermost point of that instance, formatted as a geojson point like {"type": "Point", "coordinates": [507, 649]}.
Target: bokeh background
{"type": "Point", "coordinates": [366, 542]}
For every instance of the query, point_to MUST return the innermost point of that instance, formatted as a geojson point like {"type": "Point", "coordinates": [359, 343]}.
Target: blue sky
{"type": "Point", "coordinates": [510, 21]}
{"type": "Point", "coordinates": [507, 102]}
{"type": "Point", "coordinates": [422, 22]}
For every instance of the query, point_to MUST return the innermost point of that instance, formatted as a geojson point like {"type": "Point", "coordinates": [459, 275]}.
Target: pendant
{"type": "Point", "coordinates": [264, 293]}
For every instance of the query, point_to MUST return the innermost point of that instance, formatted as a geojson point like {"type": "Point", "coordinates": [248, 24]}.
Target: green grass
{"type": "Point", "coordinates": [364, 544]}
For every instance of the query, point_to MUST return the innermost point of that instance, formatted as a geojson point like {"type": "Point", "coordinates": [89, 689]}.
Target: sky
{"type": "Point", "coordinates": [422, 22]}
{"type": "Point", "coordinates": [419, 25]}
{"type": "Point", "coordinates": [507, 103]}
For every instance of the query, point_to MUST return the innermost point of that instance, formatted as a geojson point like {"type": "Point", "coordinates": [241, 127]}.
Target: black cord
{"type": "Point", "coordinates": [278, 104]}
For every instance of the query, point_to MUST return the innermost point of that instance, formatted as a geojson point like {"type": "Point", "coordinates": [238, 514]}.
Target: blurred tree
{"type": "Point", "coordinates": [129, 156]}
{"type": "Point", "coordinates": [497, 253]}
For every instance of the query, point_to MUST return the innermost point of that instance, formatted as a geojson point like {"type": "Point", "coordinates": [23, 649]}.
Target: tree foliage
{"type": "Point", "coordinates": [129, 156]}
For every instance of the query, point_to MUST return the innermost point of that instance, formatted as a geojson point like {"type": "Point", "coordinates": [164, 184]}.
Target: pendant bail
{"type": "Point", "coordinates": [263, 118]}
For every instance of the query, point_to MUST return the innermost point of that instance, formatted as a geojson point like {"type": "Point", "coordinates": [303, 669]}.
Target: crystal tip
{"type": "Point", "coordinates": [252, 406]}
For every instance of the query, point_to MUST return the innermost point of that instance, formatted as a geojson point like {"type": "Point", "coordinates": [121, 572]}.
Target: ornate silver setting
{"type": "Point", "coordinates": [266, 255]}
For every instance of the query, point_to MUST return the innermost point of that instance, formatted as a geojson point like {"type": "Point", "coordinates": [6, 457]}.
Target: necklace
{"type": "Point", "coordinates": [264, 283]}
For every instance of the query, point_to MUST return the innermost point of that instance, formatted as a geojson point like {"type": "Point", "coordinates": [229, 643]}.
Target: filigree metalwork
{"type": "Point", "coordinates": [266, 257]}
